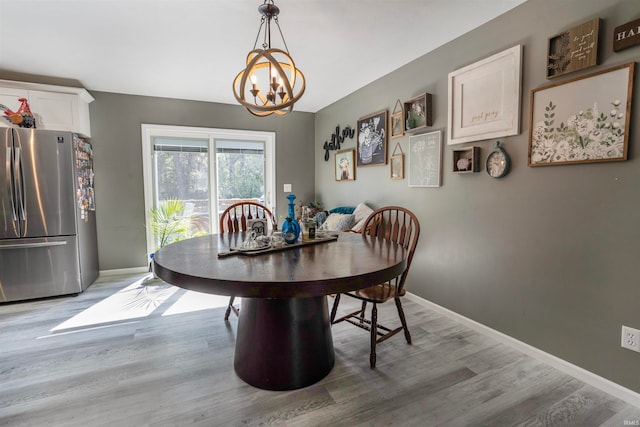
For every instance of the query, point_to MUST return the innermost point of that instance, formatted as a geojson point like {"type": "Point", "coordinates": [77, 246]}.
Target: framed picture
{"type": "Point", "coordinates": [371, 147]}
{"type": "Point", "coordinates": [582, 120]}
{"type": "Point", "coordinates": [396, 162]}
{"type": "Point", "coordinates": [397, 121]}
{"type": "Point", "coordinates": [397, 167]}
{"type": "Point", "coordinates": [466, 160]}
{"type": "Point", "coordinates": [417, 113]}
{"type": "Point", "coordinates": [258, 225]}
{"type": "Point", "coordinates": [344, 161]}
{"type": "Point", "coordinates": [573, 50]}
{"type": "Point", "coordinates": [425, 159]}
{"type": "Point", "coordinates": [397, 126]}
{"type": "Point", "coordinates": [484, 98]}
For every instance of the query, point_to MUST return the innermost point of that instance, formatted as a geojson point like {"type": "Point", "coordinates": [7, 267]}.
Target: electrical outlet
{"type": "Point", "coordinates": [287, 188]}
{"type": "Point", "coordinates": [631, 338]}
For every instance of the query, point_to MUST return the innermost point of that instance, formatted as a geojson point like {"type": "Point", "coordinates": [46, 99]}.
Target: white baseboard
{"type": "Point", "coordinates": [132, 270]}
{"type": "Point", "coordinates": [582, 374]}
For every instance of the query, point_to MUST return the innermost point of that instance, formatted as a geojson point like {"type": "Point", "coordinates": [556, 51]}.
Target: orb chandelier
{"type": "Point", "coordinates": [274, 69]}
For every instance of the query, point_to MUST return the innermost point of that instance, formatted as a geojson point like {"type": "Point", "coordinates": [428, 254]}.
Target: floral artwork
{"type": "Point", "coordinates": [586, 135]}
{"type": "Point", "coordinates": [582, 120]}
{"type": "Point", "coordinates": [425, 159]}
{"type": "Point", "coordinates": [372, 140]}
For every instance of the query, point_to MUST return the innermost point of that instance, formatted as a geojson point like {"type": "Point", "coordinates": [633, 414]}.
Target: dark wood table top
{"type": "Point", "coordinates": [351, 262]}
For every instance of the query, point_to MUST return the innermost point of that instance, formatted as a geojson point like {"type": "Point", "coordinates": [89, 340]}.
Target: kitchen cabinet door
{"type": "Point", "coordinates": [9, 98]}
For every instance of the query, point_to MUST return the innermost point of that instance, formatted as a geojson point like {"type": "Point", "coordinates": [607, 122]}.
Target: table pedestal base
{"type": "Point", "coordinates": [283, 344]}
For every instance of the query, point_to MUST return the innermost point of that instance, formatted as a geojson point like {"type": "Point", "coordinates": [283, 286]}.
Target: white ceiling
{"type": "Point", "coordinates": [192, 49]}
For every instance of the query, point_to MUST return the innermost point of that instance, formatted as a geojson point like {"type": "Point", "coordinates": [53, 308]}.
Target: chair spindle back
{"type": "Point", "coordinates": [236, 216]}
{"type": "Point", "coordinates": [398, 225]}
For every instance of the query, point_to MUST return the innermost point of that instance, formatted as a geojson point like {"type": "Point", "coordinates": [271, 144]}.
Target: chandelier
{"type": "Point", "coordinates": [273, 68]}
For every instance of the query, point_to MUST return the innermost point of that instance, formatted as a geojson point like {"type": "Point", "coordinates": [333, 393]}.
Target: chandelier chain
{"type": "Point", "coordinates": [281, 35]}
{"type": "Point", "coordinates": [258, 35]}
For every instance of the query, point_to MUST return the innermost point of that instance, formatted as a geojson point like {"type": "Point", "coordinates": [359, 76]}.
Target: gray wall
{"type": "Point", "coordinates": [116, 134]}
{"type": "Point", "coordinates": [548, 255]}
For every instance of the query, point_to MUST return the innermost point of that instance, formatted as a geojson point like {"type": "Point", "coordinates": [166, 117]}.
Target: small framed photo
{"type": "Point", "coordinates": [344, 165]}
{"type": "Point", "coordinates": [259, 225]}
{"type": "Point", "coordinates": [372, 139]}
{"type": "Point", "coordinates": [417, 113]}
{"type": "Point", "coordinates": [396, 162]}
{"type": "Point", "coordinates": [397, 166]}
{"type": "Point", "coordinates": [425, 159]}
{"type": "Point", "coordinates": [397, 125]}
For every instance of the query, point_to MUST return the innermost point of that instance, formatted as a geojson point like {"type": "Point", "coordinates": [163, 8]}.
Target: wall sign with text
{"type": "Point", "coordinates": [626, 35]}
{"type": "Point", "coordinates": [573, 50]}
{"type": "Point", "coordinates": [337, 138]}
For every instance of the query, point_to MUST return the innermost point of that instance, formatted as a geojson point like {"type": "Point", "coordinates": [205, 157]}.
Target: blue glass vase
{"type": "Point", "coordinates": [290, 227]}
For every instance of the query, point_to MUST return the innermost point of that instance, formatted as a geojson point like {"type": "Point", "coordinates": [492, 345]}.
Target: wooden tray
{"type": "Point", "coordinates": [284, 247]}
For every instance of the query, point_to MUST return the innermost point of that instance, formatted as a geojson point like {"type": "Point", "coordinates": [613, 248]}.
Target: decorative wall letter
{"type": "Point", "coordinates": [337, 138]}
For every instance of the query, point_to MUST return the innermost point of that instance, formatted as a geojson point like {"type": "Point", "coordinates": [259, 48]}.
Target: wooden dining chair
{"type": "Point", "coordinates": [235, 219]}
{"type": "Point", "coordinates": [400, 226]}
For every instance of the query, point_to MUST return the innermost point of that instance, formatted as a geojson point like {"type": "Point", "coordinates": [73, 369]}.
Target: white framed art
{"type": "Point", "coordinates": [425, 159]}
{"type": "Point", "coordinates": [484, 98]}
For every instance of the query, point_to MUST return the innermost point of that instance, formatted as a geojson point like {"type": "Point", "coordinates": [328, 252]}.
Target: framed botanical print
{"type": "Point", "coordinates": [344, 165]}
{"type": "Point", "coordinates": [371, 146]}
{"type": "Point", "coordinates": [582, 120]}
{"type": "Point", "coordinates": [425, 159]}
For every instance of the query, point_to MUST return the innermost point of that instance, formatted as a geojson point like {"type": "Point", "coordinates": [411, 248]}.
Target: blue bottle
{"type": "Point", "coordinates": [290, 227]}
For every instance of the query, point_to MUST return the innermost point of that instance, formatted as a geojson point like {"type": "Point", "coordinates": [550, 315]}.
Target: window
{"type": "Point", "coordinates": [177, 164]}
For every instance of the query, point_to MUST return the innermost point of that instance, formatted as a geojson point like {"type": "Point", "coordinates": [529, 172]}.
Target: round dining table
{"type": "Point", "coordinates": [283, 339]}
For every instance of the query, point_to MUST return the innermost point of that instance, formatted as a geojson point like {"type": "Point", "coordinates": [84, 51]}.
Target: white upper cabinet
{"type": "Point", "coordinates": [9, 97]}
{"type": "Point", "coordinates": [54, 107]}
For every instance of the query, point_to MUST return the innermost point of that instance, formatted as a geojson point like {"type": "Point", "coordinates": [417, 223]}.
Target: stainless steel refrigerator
{"type": "Point", "coordinates": [48, 242]}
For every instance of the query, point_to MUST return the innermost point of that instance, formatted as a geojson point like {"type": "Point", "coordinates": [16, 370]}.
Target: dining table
{"type": "Point", "coordinates": [283, 338]}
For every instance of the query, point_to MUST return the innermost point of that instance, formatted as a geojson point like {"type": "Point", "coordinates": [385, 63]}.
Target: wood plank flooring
{"type": "Point", "coordinates": [89, 361]}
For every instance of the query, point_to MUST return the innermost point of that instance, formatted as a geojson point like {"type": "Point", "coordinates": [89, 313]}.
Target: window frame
{"type": "Point", "coordinates": [149, 131]}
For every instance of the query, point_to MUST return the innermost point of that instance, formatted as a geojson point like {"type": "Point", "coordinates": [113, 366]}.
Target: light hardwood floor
{"type": "Point", "coordinates": [88, 361]}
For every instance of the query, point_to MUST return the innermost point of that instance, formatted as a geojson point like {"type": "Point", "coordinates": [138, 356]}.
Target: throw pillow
{"type": "Point", "coordinates": [342, 210]}
{"type": "Point", "coordinates": [361, 213]}
{"type": "Point", "coordinates": [338, 222]}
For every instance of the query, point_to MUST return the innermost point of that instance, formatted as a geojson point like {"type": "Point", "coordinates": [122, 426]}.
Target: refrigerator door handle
{"type": "Point", "coordinates": [10, 180]}
{"type": "Point", "coordinates": [22, 211]}
{"type": "Point", "coordinates": [32, 245]}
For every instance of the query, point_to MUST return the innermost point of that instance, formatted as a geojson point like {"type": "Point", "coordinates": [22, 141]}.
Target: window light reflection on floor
{"type": "Point", "coordinates": [140, 299]}
{"type": "Point", "coordinates": [195, 301]}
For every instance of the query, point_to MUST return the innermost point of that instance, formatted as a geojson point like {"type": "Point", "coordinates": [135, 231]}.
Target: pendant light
{"type": "Point", "coordinates": [270, 83]}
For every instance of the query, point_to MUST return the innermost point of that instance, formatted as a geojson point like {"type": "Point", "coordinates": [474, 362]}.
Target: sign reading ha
{"type": "Point", "coordinates": [626, 35]}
